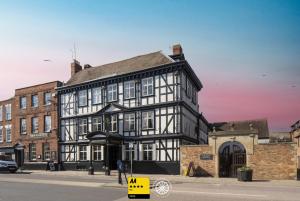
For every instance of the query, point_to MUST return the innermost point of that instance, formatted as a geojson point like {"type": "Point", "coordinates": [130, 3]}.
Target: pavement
{"type": "Point", "coordinates": [57, 185]}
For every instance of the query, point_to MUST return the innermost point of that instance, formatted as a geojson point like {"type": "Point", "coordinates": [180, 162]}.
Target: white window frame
{"type": "Point", "coordinates": [82, 98]}
{"type": "Point", "coordinates": [23, 127]}
{"type": "Point", "coordinates": [112, 92]}
{"type": "Point", "coordinates": [83, 151]}
{"type": "Point", "coordinates": [47, 124]}
{"type": "Point", "coordinates": [147, 116]}
{"type": "Point", "coordinates": [34, 125]}
{"type": "Point", "coordinates": [148, 149]}
{"type": "Point", "coordinates": [31, 158]}
{"type": "Point", "coordinates": [148, 86]}
{"type": "Point", "coordinates": [127, 151]}
{"type": "Point", "coordinates": [47, 98]}
{"type": "Point", "coordinates": [114, 121]}
{"type": "Point", "coordinates": [23, 102]}
{"type": "Point", "coordinates": [1, 134]}
{"type": "Point", "coordinates": [8, 112]}
{"type": "Point", "coordinates": [8, 134]}
{"type": "Point", "coordinates": [35, 100]}
{"type": "Point", "coordinates": [97, 123]}
{"type": "Point", "coordinates": [96, 96]}
{"type": "Point", "coordinates": [97, 152]}
{"type": "Point", "coordinates": [129, 120]}
{"type": "Point", "coordinates": [46, 153]}
{"type": "Point", "coordinates": [129, 89]}
{"type": "Point", "coordinates": [82, 126]}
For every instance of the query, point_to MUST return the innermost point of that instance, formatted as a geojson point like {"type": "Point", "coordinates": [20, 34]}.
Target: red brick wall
{"type": "Point", "coordinates": [40, 112]}
{"type": "Point", "coordinates": [5, 122]}
{"type": "Point", "coordinates": [274, 161]}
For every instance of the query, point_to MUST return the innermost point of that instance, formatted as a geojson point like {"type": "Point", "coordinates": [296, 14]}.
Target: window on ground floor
{"type": "Point", "coordinates": [32, 152]}
{"type": "Point", "coordinates": [83, 153]}
{"type": "Point", "coordinates": [97, 152]}
{"type": "Point", "coordinates": [148, 152]}
{"type": "Point", "coordinates": [46, 151]}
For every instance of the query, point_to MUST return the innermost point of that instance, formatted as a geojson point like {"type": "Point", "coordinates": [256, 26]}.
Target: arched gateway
{"type": "Point", "coordinates": [232, 155]}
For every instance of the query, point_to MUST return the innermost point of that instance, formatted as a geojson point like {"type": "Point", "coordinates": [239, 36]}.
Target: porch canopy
{"type": "Point", "coordinates": [106, 137]}
{"type": "Point", "coordinates": [100, 137]}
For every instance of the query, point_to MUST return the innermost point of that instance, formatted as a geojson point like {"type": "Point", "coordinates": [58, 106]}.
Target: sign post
{"type": "Point", "coordinates": [131, 147]}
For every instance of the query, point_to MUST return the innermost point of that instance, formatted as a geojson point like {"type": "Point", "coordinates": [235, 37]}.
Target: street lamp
{"type": "Point", "coordinates": [91, 168]}
{"type": "Point", "coordinates": [107, 170]}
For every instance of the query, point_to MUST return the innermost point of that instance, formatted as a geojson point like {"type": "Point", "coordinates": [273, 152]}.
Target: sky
{"type": "Point", "coordinates": [246, 53]}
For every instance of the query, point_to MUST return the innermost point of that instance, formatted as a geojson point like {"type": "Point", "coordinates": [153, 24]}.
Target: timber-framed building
{"type": "Point", "coordinates": [150, 100]}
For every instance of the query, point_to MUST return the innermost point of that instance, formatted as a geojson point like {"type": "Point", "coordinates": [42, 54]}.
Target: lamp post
{"type": "Point", "coordinates": [91, 168]}
{"type": "Point", "coordinates": [107, 170]}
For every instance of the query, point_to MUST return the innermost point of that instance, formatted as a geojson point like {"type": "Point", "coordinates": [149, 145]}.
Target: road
{"type": "Point", "coordinates": [45, 188]}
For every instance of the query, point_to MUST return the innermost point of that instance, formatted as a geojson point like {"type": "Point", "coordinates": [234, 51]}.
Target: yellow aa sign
{"type": "Point", "coordinates": [138, 188]}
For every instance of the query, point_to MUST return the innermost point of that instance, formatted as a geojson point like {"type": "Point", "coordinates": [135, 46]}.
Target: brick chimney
{"type": "Point", "coordinates": [87, 66]}
{"type": "Point", "coordinates": [75, 67]}
{"type": "Point", "coordinates": [177, 49]}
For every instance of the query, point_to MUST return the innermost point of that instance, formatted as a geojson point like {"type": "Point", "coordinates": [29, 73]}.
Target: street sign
{"type": "Point", "coordinates": [138, 188]}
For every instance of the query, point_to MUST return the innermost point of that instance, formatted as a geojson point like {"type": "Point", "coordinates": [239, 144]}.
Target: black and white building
{"type": "Point", "coordinates": [149, 100]}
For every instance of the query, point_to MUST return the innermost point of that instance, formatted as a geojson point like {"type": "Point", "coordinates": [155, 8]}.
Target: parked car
{"type": "Point", "coordinates": [7, 164]}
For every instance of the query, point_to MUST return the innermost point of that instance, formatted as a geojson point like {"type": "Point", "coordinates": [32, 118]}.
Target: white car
{"type": "Point", "coordinates": [7, 164]}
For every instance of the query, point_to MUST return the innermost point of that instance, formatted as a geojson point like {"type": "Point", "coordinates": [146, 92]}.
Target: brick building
{"type": "Point", "coordinates": [35, 127]}
{"type": "Point", "coordinates": [6, 132]}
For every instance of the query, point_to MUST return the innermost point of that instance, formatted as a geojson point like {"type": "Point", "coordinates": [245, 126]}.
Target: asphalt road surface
{"type": "Point", "coordinates": [41, 188]}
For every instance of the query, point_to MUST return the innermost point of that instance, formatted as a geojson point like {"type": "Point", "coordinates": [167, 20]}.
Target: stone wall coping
{"type": "Point", "coordinates": [195, 145]}
{"type": "Point", "coordinates": [279, 143]}
{"type": "Point", "coordinates": [235, 133]}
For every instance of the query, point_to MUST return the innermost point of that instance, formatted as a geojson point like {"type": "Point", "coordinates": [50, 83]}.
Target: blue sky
{"type": "Point", "coordinates": [230, 45]}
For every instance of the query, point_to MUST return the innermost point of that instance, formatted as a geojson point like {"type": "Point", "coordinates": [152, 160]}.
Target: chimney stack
{"type": "Point", "coordinates": [177, 49]}
{"type": "Point", "coordinates": [75, 67]}
{"type": "Point", "coordinates": [87, 66]}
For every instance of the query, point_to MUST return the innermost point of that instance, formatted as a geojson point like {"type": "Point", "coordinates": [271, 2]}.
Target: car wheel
{"type": "Point", "coordinates": [12, 171]}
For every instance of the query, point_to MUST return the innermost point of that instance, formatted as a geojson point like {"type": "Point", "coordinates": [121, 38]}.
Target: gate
{"type": "Point", "coordinates": [232, 156]}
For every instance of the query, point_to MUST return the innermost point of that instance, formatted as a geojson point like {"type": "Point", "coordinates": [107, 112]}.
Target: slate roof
{"type": "Point", "coordinates": [133, 64]}
{"type": "Point", "coordinates": [260, 124]}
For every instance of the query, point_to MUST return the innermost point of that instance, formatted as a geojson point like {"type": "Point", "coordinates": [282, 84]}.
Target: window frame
{"type": "Point", "coordinates": [107, 90]}
{"type": "Point", "coordinates": [97, 123]}
{"type": "Point", "coordinates": [148, 128]}
{"type": "Point", "coordinates": [50, 126]}
{"type": "Point", "coordinates": [93, 93]}
{"type": "Point", "coordinates": [125, 90]}
{"type": "Point", "coordinates": [84, 152]}
{"type": "Point", "coordinates": [149, 152]}
{"type": "Point", "coordinates": [23, 132]}
{"type": "Point", "coordinates": [97, 153]}
{"type": "Point", "coordinates": [31, 146]}
{"type": "Point", "coordinates": [47, 102]}
{"type": "Point", "coordinates": [33, 126]}
{"type": "Point", "coordinates": [188, 88]}
{"type": "Point", "coordinates": [115, 121]}
{"type": "Point", "coordinates": [129, 120]}
{"type": "Point", "coordinates": [22, 107]}
{"type": "Point", "coordinates": [8, 114]}
{"type": "Point", "coordinates": [147, 86]}
{"type": "Point", "coordinates": [1, 134]}
{"type": "Point", "coordinates": [33, 102]}
{"type": "Point", "coordinates": [79, 98]}
{"type": "Point", "coordinates": [82, 128]}
{"type": "Point", "coordinates": [46, 152]}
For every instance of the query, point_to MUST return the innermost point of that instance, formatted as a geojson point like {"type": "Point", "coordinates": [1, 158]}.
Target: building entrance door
{"type": "Point", "coordinates": [114, 155]}
{"type": "Point", "coordinates": [232, 155]}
